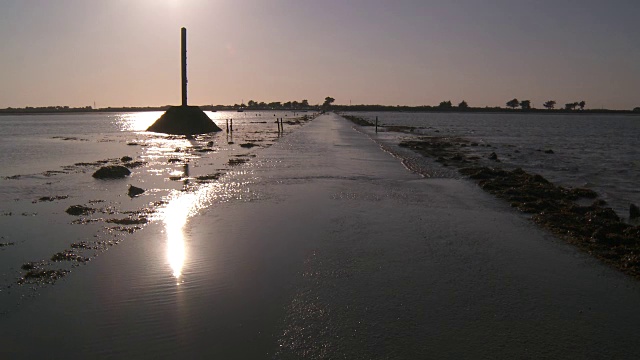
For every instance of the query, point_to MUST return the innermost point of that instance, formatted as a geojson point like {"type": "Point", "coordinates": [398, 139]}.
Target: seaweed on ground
{"type": "Point", "coordinates": [595, 228]}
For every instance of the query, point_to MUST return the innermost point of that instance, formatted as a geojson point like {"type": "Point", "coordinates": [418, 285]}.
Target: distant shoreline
{"type": "Point", "coordinates": [338, 108]}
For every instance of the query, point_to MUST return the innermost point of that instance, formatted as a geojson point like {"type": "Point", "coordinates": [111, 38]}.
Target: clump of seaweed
{"type": "Point", "coordinates": [42, 276]}
{"type": "Point", "coordinates": [128, 221]}
{"type": "Point", "coordinates": [51, 198]}
{"type": "Point", "coordinates": [594, 228]}
{"type": "Point", "coordinates": [68, 255]}
{"type": "Point", "coordinates": [78, 210]}
{"type": "Point", "coordinates": [127, 229]}
{"type": "Point", "coordinates": [209, 177]}
{"type": "Point", "coordinates": [234, 162]}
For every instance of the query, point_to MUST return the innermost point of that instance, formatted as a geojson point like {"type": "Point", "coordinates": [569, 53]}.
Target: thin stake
{"type": "Point", "coordinates": [376, 124]}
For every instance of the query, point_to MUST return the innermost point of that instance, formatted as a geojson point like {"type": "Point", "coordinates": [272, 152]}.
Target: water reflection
{"type": "Point", "coordinates": [140, 121]}
{"type": "Point", "coordinates": [182, 205]}
{"type": "Point", "coordinates": [175, 217]}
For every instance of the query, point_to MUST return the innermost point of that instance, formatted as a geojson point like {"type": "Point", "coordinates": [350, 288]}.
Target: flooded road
{"type": "Point", "coordinates": [330, 249]}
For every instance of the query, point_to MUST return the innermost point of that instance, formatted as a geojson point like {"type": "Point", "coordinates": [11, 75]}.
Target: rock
{"type": "Point", "coordinates": [184, 120]}
{"type": "Point", "coordinates": [78, 210]}
{"type": "Point", "coordinates": [126, 158]}
{"type": "Point", "coordinates": [493, 156]}
{"type": "Point", "coordinates": [134, 191]}
{"type": "Point", "coordinates": [549, 151]}
{"type": "Point", "coordinates": [111, 172]}
{"type": "Point", "coordinates": [634, 212]}
{"type": "Point", "coordinates": [248, 145]}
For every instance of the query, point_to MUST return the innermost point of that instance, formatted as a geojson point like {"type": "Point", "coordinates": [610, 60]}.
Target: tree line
{"type": "Point", "coordinates": [550, 105]}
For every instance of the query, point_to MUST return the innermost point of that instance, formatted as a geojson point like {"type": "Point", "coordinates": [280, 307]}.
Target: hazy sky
{"type": "Point", "coordinates": [413, 52]}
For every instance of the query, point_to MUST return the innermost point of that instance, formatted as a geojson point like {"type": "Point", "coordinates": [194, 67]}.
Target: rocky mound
{"type": "Point", "coordinates": [184, 120]}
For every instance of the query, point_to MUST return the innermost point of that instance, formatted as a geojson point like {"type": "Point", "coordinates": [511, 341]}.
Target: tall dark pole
{"type": "Point", "coordinates": [184, 66]}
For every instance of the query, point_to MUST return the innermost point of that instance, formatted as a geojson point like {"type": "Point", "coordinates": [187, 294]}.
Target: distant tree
{"type": "Point", "coordinates": [525, 104]}
{"type": "Point", "coordinates": [463, 105]}
{"type": "Point", "coordinates": [328, 101]}
{"type": "Point", "coordinates": [295, 104]}
{"type": "Point", "coordinates": [582, 104]}
{"type": "Point", "coordinates": [275, 105]}
{"type": "Point", "coordinates": [287, 105]}
{"type": "Point", "coordinates": [513, 103]}
{"type": "Point", "coordinates": [550, 104]}
{"type": "Point", "coordinates": [570, 106]}
{"type": "Point", "coordinates": [304, 103]}
{"type": "Point", "coordinates": [252, 103]}
{"type": "Point", "coordinates": [636, 109]}
{"type": "Point", "coordinates": [445, 105]}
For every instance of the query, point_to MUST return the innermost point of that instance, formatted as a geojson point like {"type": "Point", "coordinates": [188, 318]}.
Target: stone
{"type": "Point", "coordinates": [111, 172]}
{"type": "Point", "coordinates": [134, 191]}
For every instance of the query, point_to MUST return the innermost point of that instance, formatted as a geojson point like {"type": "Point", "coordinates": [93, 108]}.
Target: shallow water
{"type": "Point", "coordinates": [55, 155]}
{"type": "Point", "coordinates": [326, 248]}
{"type": "Point", "coordinates": [595, 151]}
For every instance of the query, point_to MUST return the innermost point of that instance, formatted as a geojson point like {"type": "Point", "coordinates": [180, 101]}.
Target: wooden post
{"type": "Point", "coordinates": [184, 66]}
{"type": "Point", "coordinates": [376, 124]}
{"type": "Point", "coordinates": [231, 125]}
{"type": "Point", "coordinates": [227, 125]}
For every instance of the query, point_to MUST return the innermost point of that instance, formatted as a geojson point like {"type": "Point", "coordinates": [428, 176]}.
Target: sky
{"type": "Point", "coordinates": [391, 52]}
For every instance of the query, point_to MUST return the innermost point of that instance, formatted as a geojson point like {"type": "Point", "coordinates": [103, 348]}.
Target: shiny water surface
{"type": "Point", "coordinates": [53, 156]}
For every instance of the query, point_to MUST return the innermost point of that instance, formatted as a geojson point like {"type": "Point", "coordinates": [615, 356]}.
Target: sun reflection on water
{"type": "Point", "coordinates": [182, 205]}
{"type": "Point", "coordinates": [175, 215]}
{"type": "Point", "coordinates": [139, 121]}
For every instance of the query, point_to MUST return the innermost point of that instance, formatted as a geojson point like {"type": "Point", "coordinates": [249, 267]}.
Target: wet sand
{"type": "Point", "coordinates": [332, 249]}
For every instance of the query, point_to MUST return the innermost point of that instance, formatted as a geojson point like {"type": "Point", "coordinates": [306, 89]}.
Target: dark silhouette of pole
{"type": "Point", "coordinates": [184, 66]}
